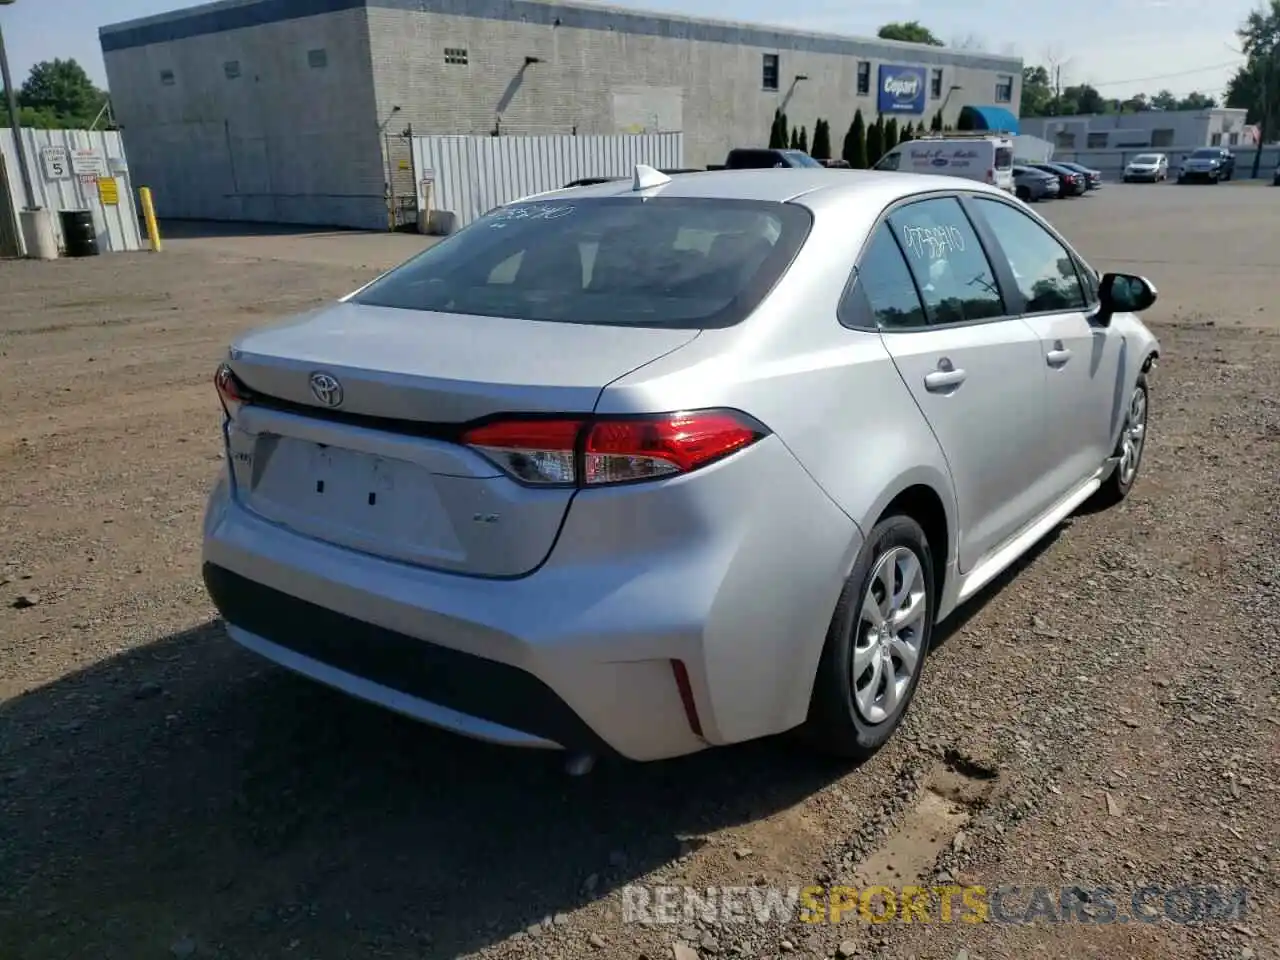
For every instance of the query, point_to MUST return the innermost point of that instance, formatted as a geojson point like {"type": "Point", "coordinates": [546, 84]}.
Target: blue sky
{"type": "Point", "coordinates": [1121, 46]}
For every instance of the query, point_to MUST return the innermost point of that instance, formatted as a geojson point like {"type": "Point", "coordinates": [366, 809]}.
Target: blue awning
{"type": "Point", "coordinates": [989, 118]}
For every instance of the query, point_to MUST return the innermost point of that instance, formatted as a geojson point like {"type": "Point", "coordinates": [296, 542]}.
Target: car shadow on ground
{"type": "Point", "coordinates": [185, 793]}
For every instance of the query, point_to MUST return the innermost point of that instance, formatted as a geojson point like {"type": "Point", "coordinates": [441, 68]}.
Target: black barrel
{"type": "Point", "coordinates": [78, 233]}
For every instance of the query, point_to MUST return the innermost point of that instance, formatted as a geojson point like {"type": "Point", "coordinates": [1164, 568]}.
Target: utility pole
{"type": "Point", "coordinates": [15, 120]}
{"type": "Point", "coordinates": [1269, 104]}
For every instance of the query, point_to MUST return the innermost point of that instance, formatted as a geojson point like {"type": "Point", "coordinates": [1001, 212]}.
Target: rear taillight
{"type": "Point", "coordinates": [598, 451]}
{"type": "Point", "coordinates": [231, 391]}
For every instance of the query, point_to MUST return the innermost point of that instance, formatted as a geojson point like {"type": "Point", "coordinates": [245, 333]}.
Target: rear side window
{"type": "Point", "coordinates": [624, 261]}
{"type": "Point", "coordinates": [946, 258]}
{"type": "Point", "coordinates": [1043, 268]}
{"type": "Point", "coordinates": [884, 280]}
{"type": "Point", "coordinates": [1004, 158]}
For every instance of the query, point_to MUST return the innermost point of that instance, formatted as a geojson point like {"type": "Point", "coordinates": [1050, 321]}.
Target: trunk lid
{"type": "Point", "coordinates": [381, 470]}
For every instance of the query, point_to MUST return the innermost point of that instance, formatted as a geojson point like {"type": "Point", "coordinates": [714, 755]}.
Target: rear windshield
{"type": "Point", "coordinates": [1004, 158]}
{"type": "Point", "coordinates": [616, 261]}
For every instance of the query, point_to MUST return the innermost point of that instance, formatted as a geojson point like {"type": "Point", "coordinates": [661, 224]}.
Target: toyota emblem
{"type": "Point", "coordinates": [326, 389]}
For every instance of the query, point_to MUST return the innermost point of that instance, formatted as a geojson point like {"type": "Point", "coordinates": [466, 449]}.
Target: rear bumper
{"type": "Point", "coordinates": [577, 655]}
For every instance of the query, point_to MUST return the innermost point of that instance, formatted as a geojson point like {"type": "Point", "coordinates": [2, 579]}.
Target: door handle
{"type": "Point", "coordinates": [1058, 357]}
{"type": "Point", "coordinates": [941, 380]}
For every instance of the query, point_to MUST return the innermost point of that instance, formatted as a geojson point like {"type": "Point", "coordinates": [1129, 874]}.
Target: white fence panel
{"type": "Point", "coordinates": [66, 167]}
{"type": "Point", "coordinates": [469, 176]}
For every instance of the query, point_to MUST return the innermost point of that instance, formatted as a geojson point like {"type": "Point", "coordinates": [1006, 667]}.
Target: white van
{"type": "Point", "coordinates": [986, 157]}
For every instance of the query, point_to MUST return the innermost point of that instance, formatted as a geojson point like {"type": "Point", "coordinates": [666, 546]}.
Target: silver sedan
{"type": "Point", "coordinates": [661, 464]}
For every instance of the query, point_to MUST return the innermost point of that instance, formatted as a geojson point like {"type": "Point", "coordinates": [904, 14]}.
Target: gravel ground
{"type": "Point", "coordinates": [1107, 715]}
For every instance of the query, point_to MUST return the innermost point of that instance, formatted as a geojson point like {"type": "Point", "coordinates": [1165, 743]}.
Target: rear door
{"type": "Point", "coordinates": [1082, 360]}
{"type": "Point", "coordinates": [976, 373]}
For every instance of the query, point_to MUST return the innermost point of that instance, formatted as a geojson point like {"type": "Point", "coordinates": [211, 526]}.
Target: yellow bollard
{"type": "Point", "coordinates": [149, 214]}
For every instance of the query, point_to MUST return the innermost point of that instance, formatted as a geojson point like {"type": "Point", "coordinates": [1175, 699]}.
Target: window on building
{"type": "Point", "coordinates": [1162, 137]}
{"type": "Point", "coordinates": [864, 78]}
{"type": "Point", "coordinates": [317, 59]}
{"type": "Point", "coordinates": [1065, 139]}
{"type": "Point", "coordinates": [167, 78]}
{"type": "Point", "coordinates": [232, 69]}
{"type": "Point", "coordinates": [1004, 88]}
{"type": "Point", "coordinates": [1235, 139]}
{"type": "Point", "coordinates": [455, 55]}
{"type": "Point", "coordinates": [935, 83]}
{"type": "Point", "coordinates": [1096, 141]}
{"type": "Point", "coordinates": [1215, 140]}
{"type": "Point", "coordinates": [769, 72]}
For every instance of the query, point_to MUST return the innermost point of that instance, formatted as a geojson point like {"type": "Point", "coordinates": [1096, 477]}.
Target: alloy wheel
{"type": "Point", "coordinates": [890, 632]}
{"type": "Point", "coordinates": [1134, 436]}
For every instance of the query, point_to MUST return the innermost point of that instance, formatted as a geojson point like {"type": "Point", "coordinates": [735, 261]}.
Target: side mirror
{"type": "Point", "coordinates": [1123, 293]}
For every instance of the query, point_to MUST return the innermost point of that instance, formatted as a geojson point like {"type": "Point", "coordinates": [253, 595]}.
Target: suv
{"type": "Point", "coordinates": [1209, 164]}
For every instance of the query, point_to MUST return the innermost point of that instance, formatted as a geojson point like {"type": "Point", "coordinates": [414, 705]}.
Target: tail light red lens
{"type": "Point", "coordinates": [231, 391]}
{"type": "Point", "coordinates": [597, 451]}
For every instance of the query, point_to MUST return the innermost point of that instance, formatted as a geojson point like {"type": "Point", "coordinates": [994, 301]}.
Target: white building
{"type": "Point", "coordinates": [292, 110]}
{"type": "Point", "coordinates": [1178, 129]}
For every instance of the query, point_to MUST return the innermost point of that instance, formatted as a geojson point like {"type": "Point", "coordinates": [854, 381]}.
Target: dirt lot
{"type": "Point", "coordinates": [1108, 716]}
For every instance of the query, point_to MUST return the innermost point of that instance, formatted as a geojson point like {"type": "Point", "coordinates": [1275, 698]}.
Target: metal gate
{"type": "Point", "coordinates": [469, 176]}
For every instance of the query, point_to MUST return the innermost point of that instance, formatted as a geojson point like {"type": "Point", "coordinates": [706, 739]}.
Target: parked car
{"type": "Point", "coordinates": [1092, 178]}
{"type": "Point", "coordinates": [758, 158]}
{"type": "Point", "coordinates": [1147, 167]}
{"type": "Point", "coordinates": [984, 157]}
{"type": "Point", "coordinates": [1031, 184]}
{"type": "Point", "coordinates": [1208, 164]}
{"type": "Point", "coordinates": [1071, 183]}
{"type": "Point", "coordinates": [464, 491]}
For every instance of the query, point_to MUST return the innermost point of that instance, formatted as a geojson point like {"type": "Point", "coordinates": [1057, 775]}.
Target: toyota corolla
{"type": "Point", "coordinates": [660, 464]}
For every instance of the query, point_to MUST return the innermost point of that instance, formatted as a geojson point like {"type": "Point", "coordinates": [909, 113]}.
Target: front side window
{"type": "Point", "coordinates": [884, 280]}
{"type": "Point", "coordinates": [1043, 268]}
{"type": "Point", "coordinates": [946, 258]}
{"type": "Point", "coordinates": [625, 261]}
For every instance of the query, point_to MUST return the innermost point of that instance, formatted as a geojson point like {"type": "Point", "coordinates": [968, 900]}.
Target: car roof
{"type": "Point", "coordinates": [781, 185]}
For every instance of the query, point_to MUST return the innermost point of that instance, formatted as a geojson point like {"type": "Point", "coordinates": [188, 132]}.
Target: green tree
{"type": "Point", "coordinates": [58, 93]}
{"type": "Point", "coordinates": [875, 141]}
{"type": "Point", "coordinates": [908, 133]}
{"type": "Point", "coordinates": [777, 135]}
{"type": "Point", "coordinates": [891, 134]}
{"type": "Point", "coordinates": [795, 139]}
{"type": "Point", "coordinates": [821, 141]}
{"type": "Point", "coordinates": [1260, 37]}
{"type": "Point", "coordinates": [855, 143]}
{"type": "Point", "coordinates": [910, 31]}
{"type": "Point", "coordinates": [1037, 92]}
{"type": "Point", "coordinates": [1195, 100]}
{"type": "Point", "coordinates": [1162, 100]}
{"type": "Point", "coordinates": [803, 143]}
{"type": "Point", "coordinates": [936, 124]}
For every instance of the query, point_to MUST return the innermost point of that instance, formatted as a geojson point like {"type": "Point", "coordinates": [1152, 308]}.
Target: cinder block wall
{"type": "Point", "coordinates": [251, 124]}
{"type": "Point", "coordinates": [598, 79]}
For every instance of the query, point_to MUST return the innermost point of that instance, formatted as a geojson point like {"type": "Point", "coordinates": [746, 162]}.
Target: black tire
{"type": "Point", "coordinates": [835, 724]}
{"type": "Point", "coordinates": [1022, 193]}
{"type": "Point", "coordinates": [1116, 487]}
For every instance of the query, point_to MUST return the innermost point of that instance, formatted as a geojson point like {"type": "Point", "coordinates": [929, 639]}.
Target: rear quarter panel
{"type": "Point", "coordinates": [832, 395]}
